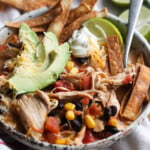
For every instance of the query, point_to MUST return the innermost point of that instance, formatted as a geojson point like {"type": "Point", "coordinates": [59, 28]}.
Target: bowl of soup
{"type": "Point", "coordinates": [72, 93]}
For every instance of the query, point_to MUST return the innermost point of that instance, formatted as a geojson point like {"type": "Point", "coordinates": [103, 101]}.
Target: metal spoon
{"type": "Point", "coordinates": [135, 7]}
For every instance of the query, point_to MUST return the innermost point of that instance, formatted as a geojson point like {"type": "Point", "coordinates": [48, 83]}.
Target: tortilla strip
{"type": "Point", "coordinates": [25, 5]}
{"type": "Point", "coordinates": [44, 19]}
{"type": "Point", "coordinates": [85, 7]}
{"type": "Point", "coordinates": [58, 23]}
{"type": "Point", "coordinates": [48, 2]}
{"type": "Point", "coordinates": [28, 5]}
{"type": "Point", "coordinates": [68, 30]}
{"type": "Point", "coordinates": [138, 93]}
{"type": "Point", "coordinates": [2, 7]}
{"type": "Point", "coordinates": [90, 3]}
{"type": "Point", "coordinates": [39, 29]}
{"type": "Point", "coordinates": [114, 55]}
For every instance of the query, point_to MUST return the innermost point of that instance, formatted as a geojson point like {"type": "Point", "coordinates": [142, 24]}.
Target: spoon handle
{"type": "Point", "coordinates": [135, 7]}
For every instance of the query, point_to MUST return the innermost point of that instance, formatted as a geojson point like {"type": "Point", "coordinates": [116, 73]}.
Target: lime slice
{"type": "Point", "coordinates": [143, 25]}
{"type": "Point", "coordinates": [122, 3]}
{"type": "Point", "coordinates": [102, 28]}
{"type": "Point", "coordinates": [145, 31]}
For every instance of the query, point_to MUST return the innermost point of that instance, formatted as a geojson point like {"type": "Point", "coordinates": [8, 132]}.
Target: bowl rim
{"type": "Point", "coordinates": [28, 140]}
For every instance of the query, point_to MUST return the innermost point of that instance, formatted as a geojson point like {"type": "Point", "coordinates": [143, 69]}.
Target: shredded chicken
{"type": "Point", "coordinates": [33, 110]}
{"type": "Point", "coordinates": [70, 95]}
{"type": "Point", "coordinates": [118, 79]}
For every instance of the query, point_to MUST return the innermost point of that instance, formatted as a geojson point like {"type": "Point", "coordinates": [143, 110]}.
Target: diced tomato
{"type": "Point", "coordinates": [85, 82]}
{"type": "Point", "coordinates": [127, 79]}
{"type": "Point", "coordinates": [65, 84]}
{"type": "Point", "coordinates": [3, 47]}
{"type": "Point", "coordinates": [50, 137]}
{"type": "Point", "coordinates": [89, 137]}
{"type": "Point", "coordinates": [85, 101]}
{"type": "Point", "coordinates": [95, 110]}
{"type": "Point", "coordinates": [52, 125]}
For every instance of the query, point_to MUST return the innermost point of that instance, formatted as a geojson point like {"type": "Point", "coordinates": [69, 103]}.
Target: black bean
{"type": "Point", "coordinates": [82, 60]}
{"type": "Point", "coordinates": [76, 124]}
{"type": "Point", "coordinates": [109, 111]}
{"type": "Point", "coordinates": [60, 105]}
{"type": "Point", "coordinates": [101, 135]}
{"type": "Point", "coordinates": [64, 123]}
{"type": "Point", "coordinates": [111, 129]}
{"type": "Point", "coordinates": [114, 110]}
{"type": "Point", "coordinates": [52, 113]}
{"type": "Point", "coordinates": [57, 110]}
{"type": "Point", "coordinates": [78, 106]}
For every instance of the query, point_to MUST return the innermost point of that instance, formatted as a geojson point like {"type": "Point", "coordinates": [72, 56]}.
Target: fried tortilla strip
{"type": "Point", "coordinates": [68, 30]}
{"type": "Point", "coordinates": [44, 19]}
{"type": "Point", "coordinates": [48, 2]}
{"type": "Point", "coordinates": [28, 5]}
{"type": "Point", "coordinates": [2, 7]}
{"type": "Point", "coordinates": [85, 7]}
{"type": "Point", "coordinates": [138, 93]}
{"type": "Point", "coordinates": [90, 3]}
{"type": "Point", "coordinates": [114, 55]}
{"type": "Point", "coordinates": [59, 21]}
{"type": "Point", "coordinates": [25, 5]}
{"type": "Point", "coordinates": [39, 29]}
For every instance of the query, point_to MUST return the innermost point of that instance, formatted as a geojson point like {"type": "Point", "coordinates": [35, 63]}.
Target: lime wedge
{"type": "Point", "coordinates": [143, 25]}
{"type": "Point", "coordinates": [102, 28]}
{"type": "Point", "coordinates": [122, 3]}
{"type": "Point", "coordinates": [145, 31]}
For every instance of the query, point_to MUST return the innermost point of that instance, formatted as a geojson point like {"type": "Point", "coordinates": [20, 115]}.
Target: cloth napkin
{"type": "Point", "coordinates": [139, 139]}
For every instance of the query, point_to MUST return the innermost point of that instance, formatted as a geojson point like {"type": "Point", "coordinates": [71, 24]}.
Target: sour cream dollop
{"type": "Point", "coordinates": [82, 42]}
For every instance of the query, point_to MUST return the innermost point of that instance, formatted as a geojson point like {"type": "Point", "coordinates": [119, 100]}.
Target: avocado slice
{"type": "Point", "coordinates": [40, 63]}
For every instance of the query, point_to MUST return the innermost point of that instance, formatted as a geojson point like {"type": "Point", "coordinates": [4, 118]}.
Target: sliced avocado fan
{"type": "Point", "coordinates": [40, 63]}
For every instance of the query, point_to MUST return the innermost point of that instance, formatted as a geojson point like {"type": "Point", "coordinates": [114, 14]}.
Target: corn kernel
{"type": "Point", "coordinates": [74, 70]}
{"type": "Point", "coordinates": [70, 65]}
{"type": "Point", "coordinates": [70, 115]}
{"type": "Point", "coordinates": [89, 121]}
{"type": "Point", "coordinates": [69, 106]}
{"type": "Point", "coordinates": [60, 141]}
{"type": "Point", "coordinates": [65, 141]}
{"type": "Point", "coordinates": [113, 122]}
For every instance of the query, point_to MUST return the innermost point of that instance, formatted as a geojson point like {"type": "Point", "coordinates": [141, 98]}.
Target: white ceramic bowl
{"type": "Point", "coordinates": [139, 43]}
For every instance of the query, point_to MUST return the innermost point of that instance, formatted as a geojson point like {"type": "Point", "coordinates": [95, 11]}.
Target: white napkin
{"type": "Point", "coordinates": [139, 139]}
